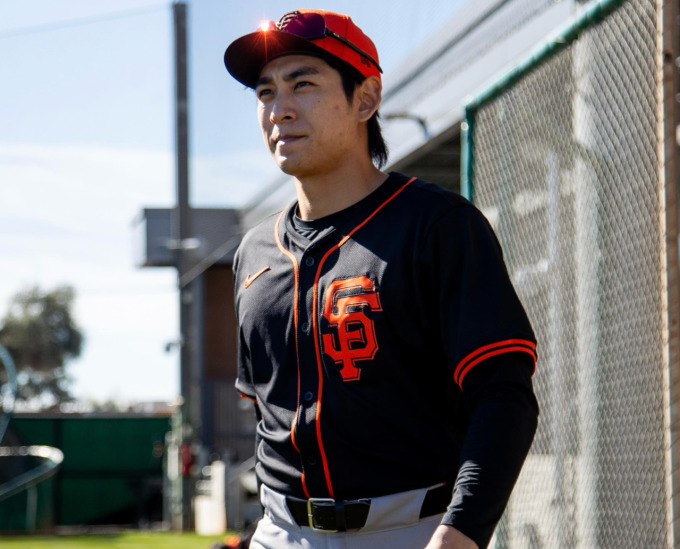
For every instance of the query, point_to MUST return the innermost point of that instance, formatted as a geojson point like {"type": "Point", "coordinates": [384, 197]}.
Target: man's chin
{"type": "Point", "coordinates": [288, 166]}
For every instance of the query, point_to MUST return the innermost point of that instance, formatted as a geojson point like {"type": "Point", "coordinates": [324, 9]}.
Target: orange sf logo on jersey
{"type": "Point", "coordinates": [352, 336]}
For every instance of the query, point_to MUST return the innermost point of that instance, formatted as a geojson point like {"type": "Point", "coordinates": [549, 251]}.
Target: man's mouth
{"type": "Point", "coordinates": [288, 138]}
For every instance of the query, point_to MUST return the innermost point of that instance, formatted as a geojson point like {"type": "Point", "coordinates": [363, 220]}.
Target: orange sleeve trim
{"type": "Point", "coordinates": [243, 395]}
{"type": "Point", "coordinates": [494, 349]}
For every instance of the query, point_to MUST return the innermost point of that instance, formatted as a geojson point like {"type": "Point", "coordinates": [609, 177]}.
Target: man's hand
{"type": "Point", "coordinates": [447, 537]}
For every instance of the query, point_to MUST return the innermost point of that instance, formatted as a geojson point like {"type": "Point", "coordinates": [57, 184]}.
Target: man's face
{"type": "Point", "coordinates": [307, 123]}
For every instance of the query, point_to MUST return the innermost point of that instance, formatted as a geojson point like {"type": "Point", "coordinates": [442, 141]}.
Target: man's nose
{"type": "Point", "coordinates": [281, 111]}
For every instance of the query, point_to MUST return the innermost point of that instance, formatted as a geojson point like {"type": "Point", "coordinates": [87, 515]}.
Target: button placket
{"type": "Point", "coordinates": [306, 431]}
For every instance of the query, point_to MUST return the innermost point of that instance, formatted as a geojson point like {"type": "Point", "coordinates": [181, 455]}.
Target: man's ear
{"type": "Point", "coordinates": [369, 95]}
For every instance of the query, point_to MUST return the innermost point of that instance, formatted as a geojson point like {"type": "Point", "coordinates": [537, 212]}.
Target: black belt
{"type": "Point", "coordinates": [330, 515]}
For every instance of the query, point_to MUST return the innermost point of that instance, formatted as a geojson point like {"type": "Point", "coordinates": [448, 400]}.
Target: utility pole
{"type": "Point", "coordinates": [182, 232]}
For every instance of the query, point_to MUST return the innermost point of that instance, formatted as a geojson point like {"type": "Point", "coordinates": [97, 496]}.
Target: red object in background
{"type": "Point", "coordinates": [186, 458]}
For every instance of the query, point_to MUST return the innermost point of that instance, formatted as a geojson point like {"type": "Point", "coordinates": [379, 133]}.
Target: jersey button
{"type": "Point", "coordinates": [305, 327]}
{"type": "Point", "coordinates": [312, 461]}
{"type": "Point", "coordinates": [309, 261]}
{"type": "Point", "coordinates": [309, 396]}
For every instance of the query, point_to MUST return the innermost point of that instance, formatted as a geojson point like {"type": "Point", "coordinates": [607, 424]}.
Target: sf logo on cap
{"type": "Point", "coordinates": [283, 22]}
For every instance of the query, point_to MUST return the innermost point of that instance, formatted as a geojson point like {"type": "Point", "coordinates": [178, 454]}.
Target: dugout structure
{"type": "Point", "coordinates": [572, 157]}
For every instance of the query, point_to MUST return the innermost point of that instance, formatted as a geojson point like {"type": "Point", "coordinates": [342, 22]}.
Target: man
{"type": "Point", "coordinates": [380, 338]}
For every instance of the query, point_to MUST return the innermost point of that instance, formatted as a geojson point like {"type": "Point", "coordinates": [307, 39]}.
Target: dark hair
{"type": "Point", "coordinates": [351, 78]}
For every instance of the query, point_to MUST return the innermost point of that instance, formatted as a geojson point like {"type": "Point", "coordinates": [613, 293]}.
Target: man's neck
{"type": "Point", "coordinates": [322, 195]}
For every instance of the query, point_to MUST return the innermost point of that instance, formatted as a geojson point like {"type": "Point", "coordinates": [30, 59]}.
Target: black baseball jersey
{"type": "Point", "coordinates": [358, 346]}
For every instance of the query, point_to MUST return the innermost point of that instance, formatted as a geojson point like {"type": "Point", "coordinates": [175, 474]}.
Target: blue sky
{"type": "Point", "coordinates": [87, 141]}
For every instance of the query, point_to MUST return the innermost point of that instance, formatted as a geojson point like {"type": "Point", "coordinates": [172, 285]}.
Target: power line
{"type": "Point", "coordinates": [69, 23]}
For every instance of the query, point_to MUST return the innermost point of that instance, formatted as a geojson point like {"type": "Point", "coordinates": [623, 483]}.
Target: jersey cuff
{"type": "Point", "coordinates": [494, 349]}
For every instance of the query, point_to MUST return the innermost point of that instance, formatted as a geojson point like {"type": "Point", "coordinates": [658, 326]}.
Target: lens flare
{"type": "Point", "coordinates": [267, 26]}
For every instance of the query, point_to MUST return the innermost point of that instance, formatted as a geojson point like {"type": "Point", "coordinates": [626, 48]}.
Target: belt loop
{"type": "Point", "coordinates": [340, 520]}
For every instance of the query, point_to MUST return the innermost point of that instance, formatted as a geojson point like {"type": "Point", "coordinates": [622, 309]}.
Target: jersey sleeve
{"type": "Point", "coordinates": [478, 313]}
{"type": "Point", "coordinates": [490, 351]}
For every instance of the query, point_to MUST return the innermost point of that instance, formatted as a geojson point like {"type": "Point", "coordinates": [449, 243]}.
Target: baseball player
{"type": "Point", "coordinates": [386, 351]}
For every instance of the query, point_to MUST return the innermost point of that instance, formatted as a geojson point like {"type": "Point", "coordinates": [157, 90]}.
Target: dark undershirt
{"type": "Point", "coordinates": [503, 421]}
{"type": "Point", "coordinates": [311, 229]}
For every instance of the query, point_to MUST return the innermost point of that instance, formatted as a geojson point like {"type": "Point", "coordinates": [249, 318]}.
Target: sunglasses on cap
{"type": "Point", "coordinates": [312, 26]}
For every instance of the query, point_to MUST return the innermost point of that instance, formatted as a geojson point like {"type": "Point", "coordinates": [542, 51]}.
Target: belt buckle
{"type": "Point", "coordinates": [311, 502]}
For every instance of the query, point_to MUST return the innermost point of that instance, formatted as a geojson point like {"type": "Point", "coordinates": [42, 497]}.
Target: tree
{"type": "Point", "coordinates": [42, 337]}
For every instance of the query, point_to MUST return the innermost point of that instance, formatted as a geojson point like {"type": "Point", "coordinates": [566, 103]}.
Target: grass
{"type": "Point", "coordinates": [123, 540]}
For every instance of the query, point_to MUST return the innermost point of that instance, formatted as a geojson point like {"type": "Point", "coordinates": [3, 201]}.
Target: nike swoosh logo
{"type": "Point", "coordinates": [251, 278]}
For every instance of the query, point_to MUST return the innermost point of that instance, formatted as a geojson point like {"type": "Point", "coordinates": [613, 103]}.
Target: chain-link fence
{"type": "Point", "coordinates": [563, 158]}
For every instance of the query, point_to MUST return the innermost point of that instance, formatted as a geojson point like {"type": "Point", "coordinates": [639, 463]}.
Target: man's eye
{"type": "Point", "coordinates": [303, 84]}
{"type": "Point", "coordinates": [263, 92]}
